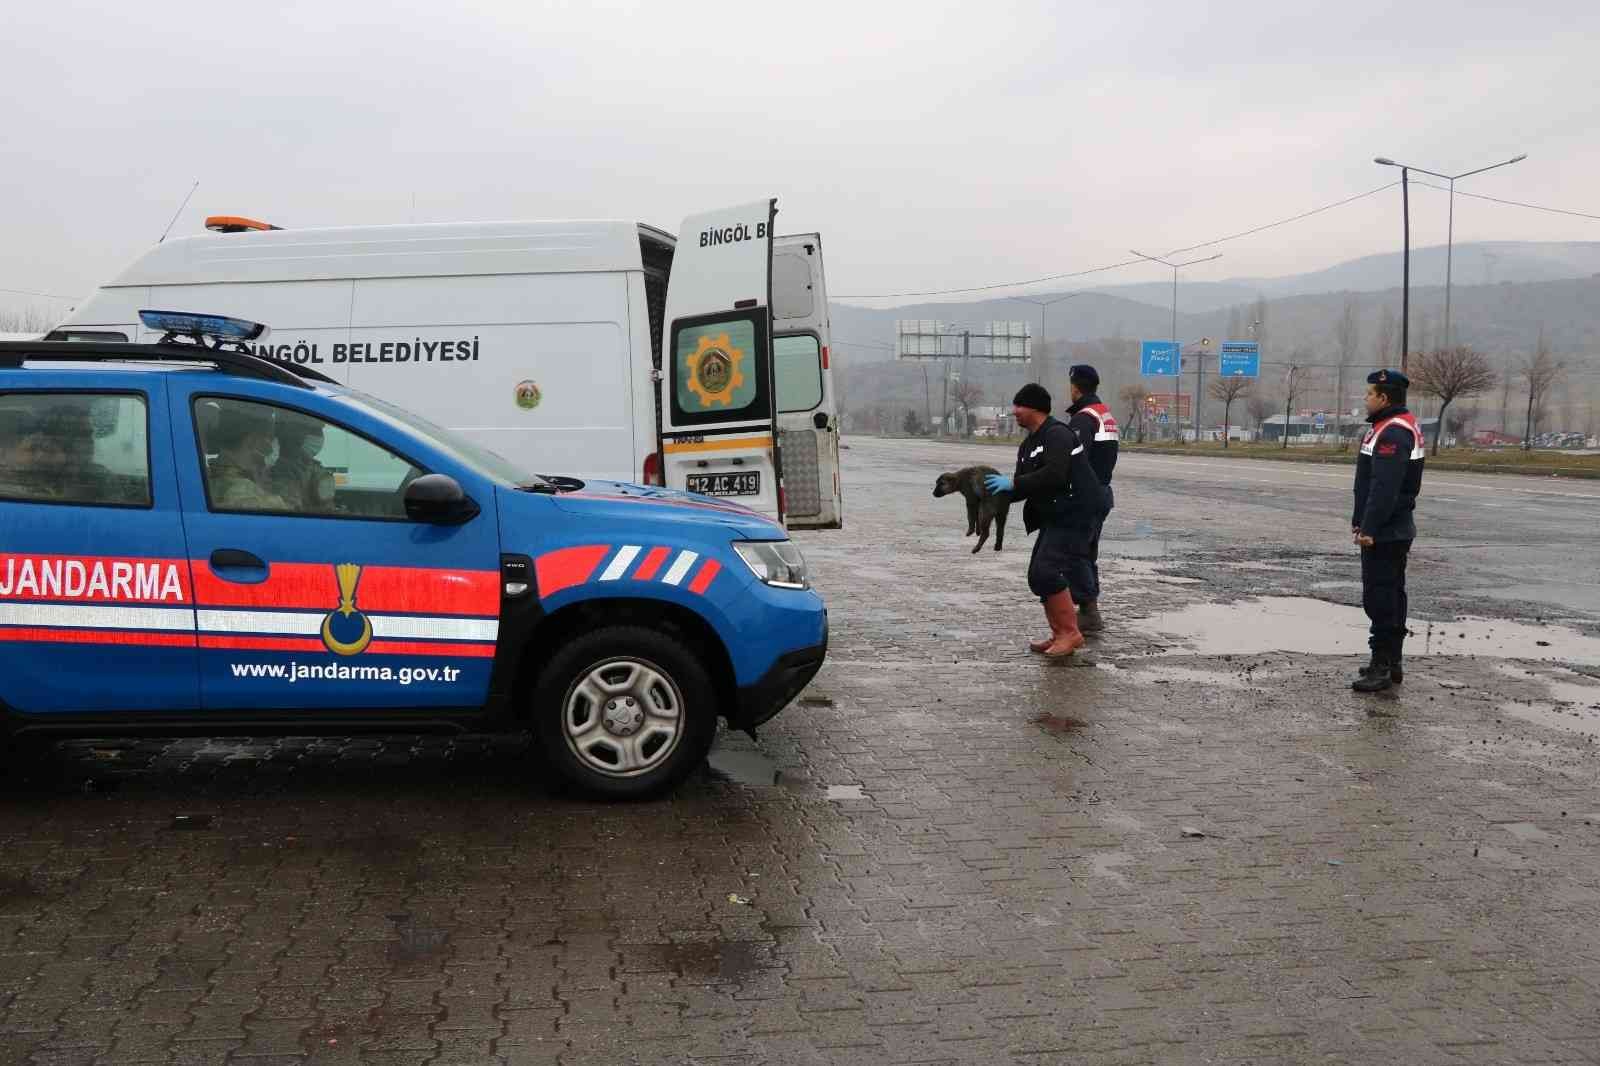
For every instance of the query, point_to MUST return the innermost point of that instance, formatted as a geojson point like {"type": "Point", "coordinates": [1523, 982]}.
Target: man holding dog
{"type": "Point", "coordinates": [1096, 427]}
{"type": "Point", "coordinates": [1063, 500]}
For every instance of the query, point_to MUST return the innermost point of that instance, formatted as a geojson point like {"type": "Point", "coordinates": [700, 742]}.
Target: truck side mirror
{"type": "Point", "coordinates": [438, 499]}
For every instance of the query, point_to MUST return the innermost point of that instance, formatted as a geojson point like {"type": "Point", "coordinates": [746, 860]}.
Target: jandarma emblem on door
{"type": "Point", "coordinates": [345, 630]}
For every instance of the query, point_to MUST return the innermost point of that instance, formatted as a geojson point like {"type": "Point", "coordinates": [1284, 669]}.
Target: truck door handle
{"type": "Point", "coordinates": [233, 558]}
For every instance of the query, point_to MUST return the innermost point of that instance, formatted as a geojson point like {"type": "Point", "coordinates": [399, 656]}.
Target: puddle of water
{"type": "Point", "coordinates": [1154, 548]}
{"type": "Point", "coordinates": [743, 766]}
{"type": "Point", "coordinates": [1316, 627]}
{"type": "Point", "coordinates": [845, 792]}
{"type": "Point", "coordinates": [1583, 694]}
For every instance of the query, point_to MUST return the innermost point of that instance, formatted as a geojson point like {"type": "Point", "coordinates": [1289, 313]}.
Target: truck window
{"type": "Point", "coordinates": [75, 448]}
{"type": "Point", "coordinates": [260, 458]}
{"type": "Point", "coordinates": [717, 370]}
{"type": "Point", "coordinates": [797, 369]}
{"type": "Point", "coordinates": [791, 287]}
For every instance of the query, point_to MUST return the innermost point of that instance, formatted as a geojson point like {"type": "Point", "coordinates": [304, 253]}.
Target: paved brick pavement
{"type": "Point", "coordinates": [951, 853]}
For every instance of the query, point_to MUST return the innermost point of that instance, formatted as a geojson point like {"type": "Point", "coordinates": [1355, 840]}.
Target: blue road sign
{"type": "Point", "coordinates": [1240, 359]}
{"type": "Point", "coordinates": [1162, 418]}
{"type": "Point", "coordinates": [1321, 420]}
{"type": "Point", "coordinates": [1158, 359]}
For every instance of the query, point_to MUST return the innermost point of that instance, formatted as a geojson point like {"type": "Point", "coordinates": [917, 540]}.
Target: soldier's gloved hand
{"type": "Point", "coordinates": [997, 483]}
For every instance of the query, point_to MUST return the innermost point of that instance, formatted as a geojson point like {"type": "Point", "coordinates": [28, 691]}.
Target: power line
{"type": "Point", "coordinates": [1125, 262]}
{"type": "Point", "coordinates": [1513, 203]}
{"type": "Point", "coordinates": [46, 295]}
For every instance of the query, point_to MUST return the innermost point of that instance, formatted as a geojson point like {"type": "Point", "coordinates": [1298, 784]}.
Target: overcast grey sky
{"type": "Point", "coordinates": [934, 144]}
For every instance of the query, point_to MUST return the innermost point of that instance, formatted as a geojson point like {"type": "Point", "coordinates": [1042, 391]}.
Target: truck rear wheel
{"type": "Point", "coordinates": [624, 712]}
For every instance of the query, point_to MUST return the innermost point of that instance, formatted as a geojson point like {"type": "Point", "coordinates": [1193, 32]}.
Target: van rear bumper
{"type": "Point", "coordinates": [788, 677]}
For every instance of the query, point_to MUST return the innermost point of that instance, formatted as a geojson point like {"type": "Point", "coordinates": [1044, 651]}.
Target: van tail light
{"type": "Point", "coordinates": [651, 473]}
{"type": "Point", "coordinates": [783, 504]}
{"type": "Point", "coordinates": [824, 357]}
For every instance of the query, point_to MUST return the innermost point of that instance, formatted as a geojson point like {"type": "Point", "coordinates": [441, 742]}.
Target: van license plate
{"type": "Point", "coordinates": [726, 484]}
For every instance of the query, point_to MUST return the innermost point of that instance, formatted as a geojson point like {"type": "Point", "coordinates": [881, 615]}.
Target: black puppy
{"type": "Point", "coordinates": [982, 507]}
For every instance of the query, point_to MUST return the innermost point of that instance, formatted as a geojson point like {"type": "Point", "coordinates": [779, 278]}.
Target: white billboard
{"type": "Point", "coordinates": [924, 338]}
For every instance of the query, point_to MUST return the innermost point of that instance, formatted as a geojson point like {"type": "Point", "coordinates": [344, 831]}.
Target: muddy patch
{"type": "Point", "coordinates": [711, 961]}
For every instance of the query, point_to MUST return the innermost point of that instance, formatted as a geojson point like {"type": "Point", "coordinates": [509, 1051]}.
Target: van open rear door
{"type": "Point", "coordinates": [808, 416]}
{"type": "Point", "coordinates": [717, 396]}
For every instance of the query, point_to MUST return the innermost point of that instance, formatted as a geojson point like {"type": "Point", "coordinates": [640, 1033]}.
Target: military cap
{"type": "Point", "coordinates": [1392, 378]}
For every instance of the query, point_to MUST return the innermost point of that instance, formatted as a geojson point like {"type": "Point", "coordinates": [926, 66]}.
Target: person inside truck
{"type": "Point", "coordinates": [33, 457]}
{"type": "Point", "coordinates": [298, 477]}
{"type": "Point", "coordinates": [239, 478]}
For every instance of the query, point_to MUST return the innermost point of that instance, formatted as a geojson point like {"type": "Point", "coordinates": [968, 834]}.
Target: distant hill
{"type": "Point", "coordinates": [1502, 319]}
{"type": "Point", "coordinates": [1478, 263]}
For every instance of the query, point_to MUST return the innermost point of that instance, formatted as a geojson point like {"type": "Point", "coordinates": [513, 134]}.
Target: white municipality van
{"type": "Point", "coordinates": [596, 349]}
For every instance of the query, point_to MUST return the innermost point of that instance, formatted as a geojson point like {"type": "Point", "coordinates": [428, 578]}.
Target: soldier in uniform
{"type": "Point", "coordinates": [302, 482]}
{"type": "Point", "coordinates": [241, 472]}
{"type": "Point", "coordinates": [1063, 501]}
{"type": "Point", "coordinates": [1096, 427]}
{"type": "Point", "coordinates": [33, 456]}
{"type": "Point", "coordinates": [1388, 479]}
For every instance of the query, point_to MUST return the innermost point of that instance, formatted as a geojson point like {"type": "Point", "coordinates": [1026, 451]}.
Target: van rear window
{"type": "Point", "coordinates": [719, 370]}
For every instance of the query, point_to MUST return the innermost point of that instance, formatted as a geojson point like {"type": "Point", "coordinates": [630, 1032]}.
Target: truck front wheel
{"type": "Point", "coordinates": [624, 712]}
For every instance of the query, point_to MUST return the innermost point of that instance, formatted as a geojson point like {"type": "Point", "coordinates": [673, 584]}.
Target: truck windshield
{"type": "Point", "coordinates": [480, 459]}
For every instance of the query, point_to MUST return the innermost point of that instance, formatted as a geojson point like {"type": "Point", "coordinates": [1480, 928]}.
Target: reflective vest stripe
{"type": "Point", "coordinates": [1409, 421]}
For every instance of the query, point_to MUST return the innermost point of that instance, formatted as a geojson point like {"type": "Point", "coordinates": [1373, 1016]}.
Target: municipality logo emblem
{"type": "Point", "coordinates": [345, 630]}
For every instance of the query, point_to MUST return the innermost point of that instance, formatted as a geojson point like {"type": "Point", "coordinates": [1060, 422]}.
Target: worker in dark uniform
{"type": "Point", "coordinates": [1063, 501]}
{"type": "Point", "coordinates": [1388, 478]}
{"type": "Point", "coordinates": [1096, 427]}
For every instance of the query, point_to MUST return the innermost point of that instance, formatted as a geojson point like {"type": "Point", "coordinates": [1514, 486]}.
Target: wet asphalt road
{"type": "Point", "coordinates": [1195, 846]}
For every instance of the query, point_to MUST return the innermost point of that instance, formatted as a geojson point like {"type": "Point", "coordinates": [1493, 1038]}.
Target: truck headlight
{"type": "Point", "coordinates": [775, 562]}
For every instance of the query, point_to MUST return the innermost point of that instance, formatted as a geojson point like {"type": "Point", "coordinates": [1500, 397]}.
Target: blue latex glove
{"type": "Point", "coordinates": [997, 483]}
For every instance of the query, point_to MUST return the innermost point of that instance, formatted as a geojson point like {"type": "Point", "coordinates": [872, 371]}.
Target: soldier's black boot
{"type": "Point", "coordinates": [1374, 676]}
{"type": "Point", "coordinates": [1396, 673]}
{"type": "Point", "coordinates": [1089, 620]}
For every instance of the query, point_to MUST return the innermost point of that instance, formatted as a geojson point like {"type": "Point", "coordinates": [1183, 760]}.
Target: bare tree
{"type": "Point", "coordinates": [1449, 374]}
{"type": "Point", "coordinates": [1228, 390]}
{"type": "Point", "coordinates": [1293, 384]}
{"type": "Point", "coordinates": [1132, 399]}
{"type": "Point", "coordinates": [31, 319]}
{"type": "Point", "coordinates": [1542, 371]}
{"type": "Point", "coordinates": [1348, 335]}
{"type": "Point", "coordinates": [1258, 405]}
{"type": "Point", "coordinates": [968, 394]}
{"type": "Point", "coordinates": [1387, 338]}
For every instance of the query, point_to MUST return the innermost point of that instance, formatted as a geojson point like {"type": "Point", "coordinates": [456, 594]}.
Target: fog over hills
{"type": "Point", "coordinates": [1550, 287]}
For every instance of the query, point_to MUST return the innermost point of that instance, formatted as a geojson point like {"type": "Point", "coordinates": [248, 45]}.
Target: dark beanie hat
{"type": "Point", "coordinates": [1084, 376]}
{"type": "Point", "coordinates": [1033, 395]}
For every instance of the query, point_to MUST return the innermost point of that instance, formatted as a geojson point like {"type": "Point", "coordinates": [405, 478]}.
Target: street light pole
{"type": "Point", "coordinates": [1450, 238]}
{"type": "Point", "coordinates": [1177, 369]}
{"type": "Point", "coordinates": [1044, 306]}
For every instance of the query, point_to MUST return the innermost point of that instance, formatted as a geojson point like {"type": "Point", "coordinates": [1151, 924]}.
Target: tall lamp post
{"type": "Point", "coordinates": [1177, 375]}
{"type": "Point", "coordinates": [1043, 306]}
{"type": "Point", "coordinates": [1449, 247]}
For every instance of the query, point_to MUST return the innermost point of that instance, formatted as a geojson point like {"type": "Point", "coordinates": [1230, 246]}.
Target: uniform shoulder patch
{"type": "Point", "coordinates": [1387, 449]}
